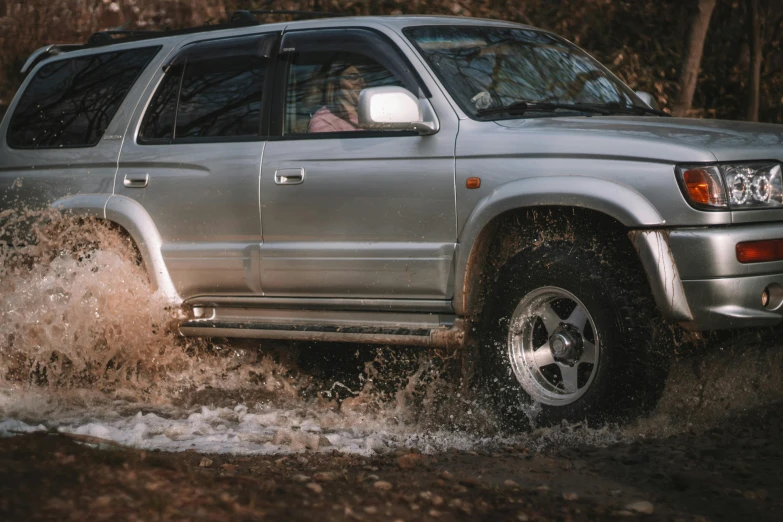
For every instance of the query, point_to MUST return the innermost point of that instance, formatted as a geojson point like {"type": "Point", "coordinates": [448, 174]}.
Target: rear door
{"type": "Point", "coordinates": [194, 163]}
{"type": "Point", "coordinates": [348, 212]}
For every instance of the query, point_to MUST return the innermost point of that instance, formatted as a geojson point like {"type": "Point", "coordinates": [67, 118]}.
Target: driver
{"type": "Point", "coordinates": [341, 100]}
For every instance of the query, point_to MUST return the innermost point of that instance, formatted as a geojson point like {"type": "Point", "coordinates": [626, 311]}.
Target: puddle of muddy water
{"type": "Point", "coordinates": [86, 348]}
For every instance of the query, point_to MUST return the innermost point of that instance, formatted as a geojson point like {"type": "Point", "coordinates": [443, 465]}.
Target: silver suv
{"type": "Point", "coordinates": [427, 181]}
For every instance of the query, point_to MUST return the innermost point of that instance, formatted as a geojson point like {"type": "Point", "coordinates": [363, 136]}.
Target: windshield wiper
{"type": "Point", "coordinates": [615, 107]}
{"type": "Point", "coordinates": [521, 107]}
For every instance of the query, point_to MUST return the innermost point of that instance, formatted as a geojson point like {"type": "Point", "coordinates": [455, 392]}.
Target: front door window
{"type": "Point", "coordinates": [323, 90]}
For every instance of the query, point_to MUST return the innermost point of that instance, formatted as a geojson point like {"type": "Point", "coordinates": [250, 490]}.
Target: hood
{"type": "Point", "coordinates": [673, 139]}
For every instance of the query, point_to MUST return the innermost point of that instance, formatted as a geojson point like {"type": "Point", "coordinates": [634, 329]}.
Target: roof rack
{"type": "Point", "coordinates": [242, 18]}
{"type": "Point", "coordinates": [109, 37]}
{"type": "Point", "coordinates": [304, 14]}
{"type": "Point", "coordinates": [45, 52]}
{"type": "Point", "coordinates": [112, 36]}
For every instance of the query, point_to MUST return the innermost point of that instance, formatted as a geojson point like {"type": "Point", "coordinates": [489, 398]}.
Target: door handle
{"type": "Point", "coordinates": [136, 180]}
{"type": "Point", "coordinates": [289, 176]}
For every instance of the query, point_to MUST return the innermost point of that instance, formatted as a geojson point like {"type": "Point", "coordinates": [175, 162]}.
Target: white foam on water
{"type": "Point", "coordinates": [259, 429]}
{"type": "Point", "coordinates": [11, 427]}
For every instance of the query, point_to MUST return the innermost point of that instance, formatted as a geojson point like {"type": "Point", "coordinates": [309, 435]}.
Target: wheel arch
{"type": "Point", "coordinates": [136, 223]}
{"type": "Point", "coordinates": [617, 207]}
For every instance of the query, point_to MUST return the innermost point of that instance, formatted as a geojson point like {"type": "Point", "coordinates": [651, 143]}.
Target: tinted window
{"type": "Point", "coordinates": [221, 97]}
{"type": "Point", "coordinates": [69, 103]}
{"type": "Point", "coordinates": [159, 120]}
{"type": "Point", "coordinates": [203, 96]}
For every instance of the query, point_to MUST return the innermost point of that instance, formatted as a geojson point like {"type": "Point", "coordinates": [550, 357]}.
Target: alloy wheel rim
{"type": "Point", "coordinates": [553, 346]}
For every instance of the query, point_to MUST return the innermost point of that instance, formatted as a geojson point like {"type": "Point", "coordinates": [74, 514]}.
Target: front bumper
{"type": "Point", "coordinates": [717, 304]}
{"type": "Point", "coordinates": [698, 282]}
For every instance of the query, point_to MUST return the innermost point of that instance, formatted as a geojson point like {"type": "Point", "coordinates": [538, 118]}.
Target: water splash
{"type": "Point", "coordinates": [77, 313]}
{"type": "Point", "coordinates": [87, 348]}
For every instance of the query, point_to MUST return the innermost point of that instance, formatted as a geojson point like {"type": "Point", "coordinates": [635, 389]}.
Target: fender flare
{"type": "Point", "coordinates": [616, 200]}
{"type": "Point", "coordinates": [132, 217]}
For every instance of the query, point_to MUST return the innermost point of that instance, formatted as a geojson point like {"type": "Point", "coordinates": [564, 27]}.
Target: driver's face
{"type": "Point", "coordinates": [351, 84]}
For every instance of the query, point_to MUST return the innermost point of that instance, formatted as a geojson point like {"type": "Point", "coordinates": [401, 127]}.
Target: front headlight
{"type": "Point", "coordinates": [732, 186]}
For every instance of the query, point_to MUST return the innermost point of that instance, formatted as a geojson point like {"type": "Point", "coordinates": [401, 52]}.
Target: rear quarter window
{"type": "Point", "coordinates": [70, 103]}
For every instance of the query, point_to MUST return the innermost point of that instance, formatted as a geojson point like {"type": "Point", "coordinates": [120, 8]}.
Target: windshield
{"type": "Point", "coordinates": [484, 68]}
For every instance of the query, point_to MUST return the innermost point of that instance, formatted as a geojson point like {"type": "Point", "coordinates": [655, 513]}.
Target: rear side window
{"type": "Point", "coordinates": [210, 92]}
{"type": "Point", "coordinates": [159, 120]}
{"type": "Point", "coordinates": [69, 103]}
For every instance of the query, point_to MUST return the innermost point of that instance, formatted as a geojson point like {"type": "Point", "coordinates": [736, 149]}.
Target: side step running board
{"type": "Point", "coordinates": [337, 326]}
{"type": "Point", "coordinates": [442, 337]}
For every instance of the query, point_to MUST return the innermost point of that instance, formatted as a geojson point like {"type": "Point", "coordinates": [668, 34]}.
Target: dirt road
{"type": "Point", "coordinates": [731, 472]}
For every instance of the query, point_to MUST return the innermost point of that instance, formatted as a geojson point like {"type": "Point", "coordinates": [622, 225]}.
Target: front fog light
{"type": "Point", "coordinates": [754, 186]}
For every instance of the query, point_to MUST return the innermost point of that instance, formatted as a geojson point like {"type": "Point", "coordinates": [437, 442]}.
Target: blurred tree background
{"type": "Point", "coordinates": [702, 58]}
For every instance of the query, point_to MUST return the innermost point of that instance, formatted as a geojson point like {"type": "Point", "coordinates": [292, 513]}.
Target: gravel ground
{"type": "Point", "coordinates": [731, 472]}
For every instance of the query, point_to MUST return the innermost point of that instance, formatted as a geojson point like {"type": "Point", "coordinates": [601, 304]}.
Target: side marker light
{"type": "Point", "coordinates": [760, 251]}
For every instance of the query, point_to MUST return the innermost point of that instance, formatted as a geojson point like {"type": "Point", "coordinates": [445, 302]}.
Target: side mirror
{"type": "Point", "coordinates": [394, 108]}
{"type": "Point", "coordinates": [648, 99]}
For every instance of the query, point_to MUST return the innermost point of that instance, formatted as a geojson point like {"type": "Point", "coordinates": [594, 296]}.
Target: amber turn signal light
{"type": "Point", "coordinates": [473, 183]}
{"type": "Point", "coordinates": [760, 251]}
{"type": "Point", "coordinates": [697, 182]}
{"type": "Point", "coordinates": [702, 186]}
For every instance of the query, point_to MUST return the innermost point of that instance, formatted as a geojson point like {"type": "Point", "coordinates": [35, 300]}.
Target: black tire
{"type": "Point", "coordinates": [628, 374]}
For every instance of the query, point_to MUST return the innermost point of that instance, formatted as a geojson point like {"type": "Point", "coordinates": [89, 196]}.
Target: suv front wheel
{"type": "Point", "coordinates": [553, 346]}
{"type": "Point", "coordinates": [569, 328]}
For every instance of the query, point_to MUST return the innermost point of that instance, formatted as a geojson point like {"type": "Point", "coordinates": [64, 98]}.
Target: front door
{"type": "Point", "coordinates": [194, 165]}
{"type": "Point", "coordinates": [348, 212]}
